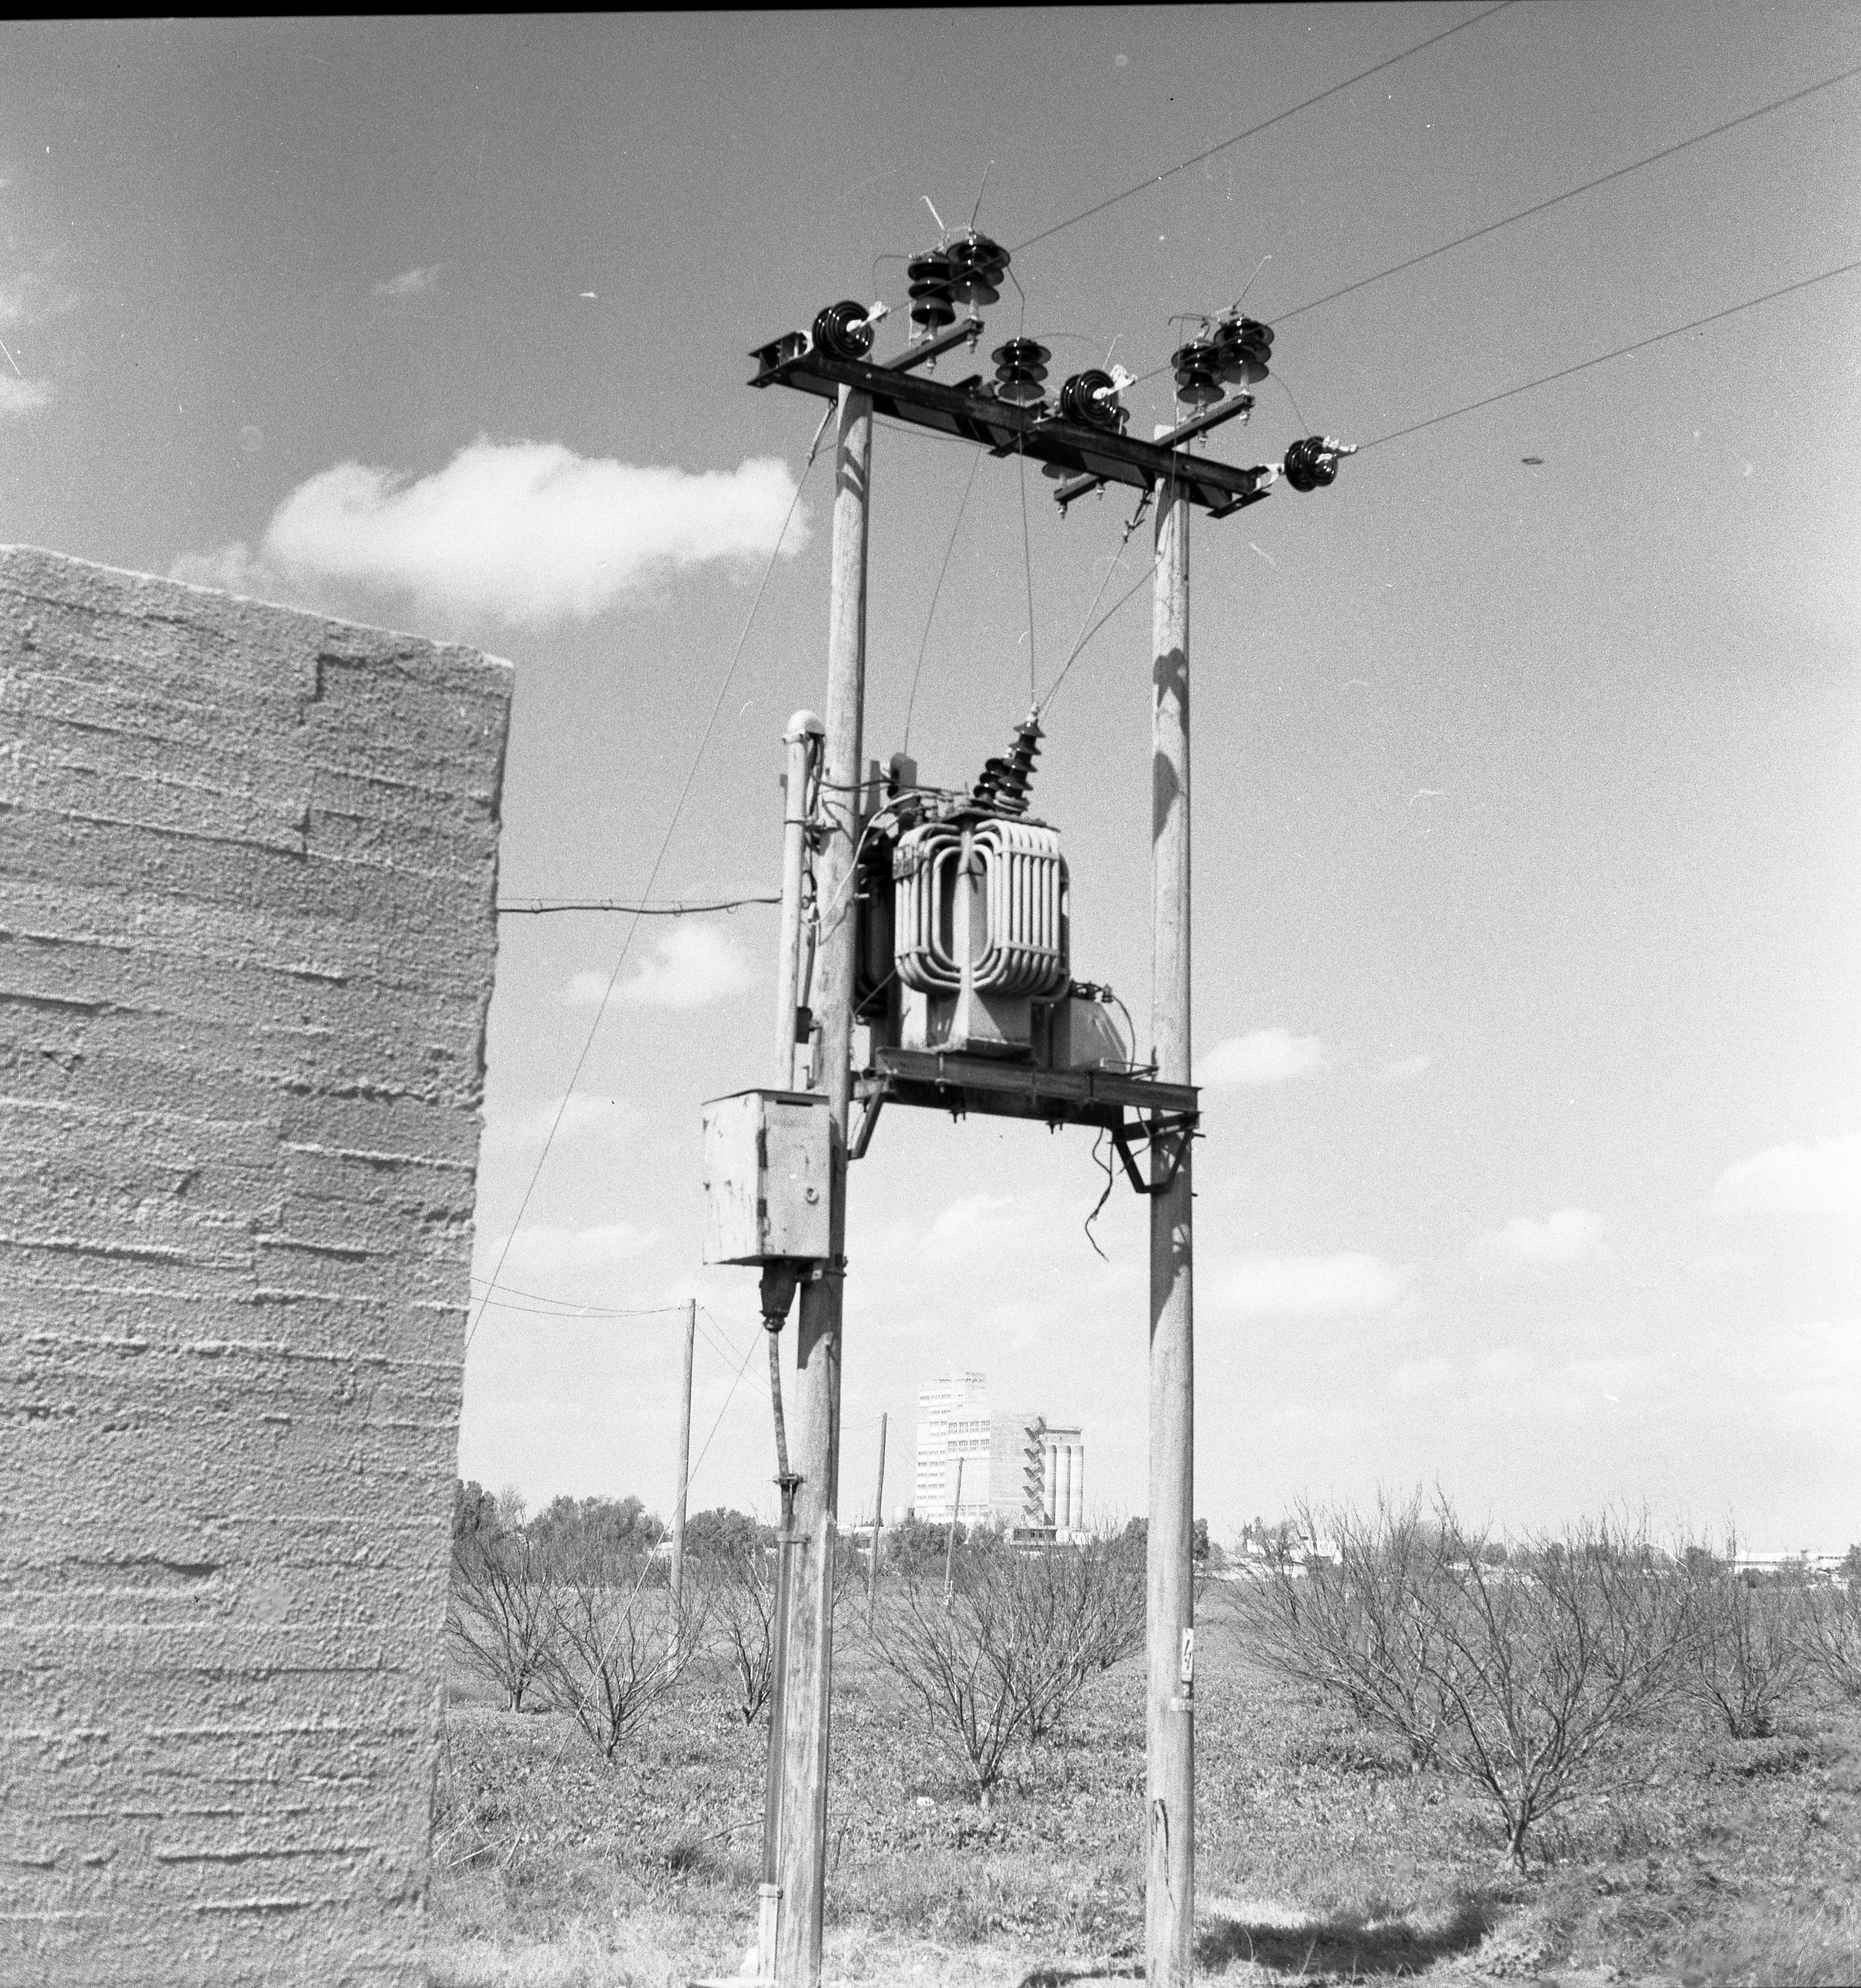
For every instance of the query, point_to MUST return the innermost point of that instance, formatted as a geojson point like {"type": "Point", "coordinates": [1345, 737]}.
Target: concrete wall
{"type": "Point", "coordinates": [247, 869]}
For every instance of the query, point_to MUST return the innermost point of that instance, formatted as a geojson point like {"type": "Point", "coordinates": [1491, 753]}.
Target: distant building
{"type": "Point", "coordinates": [1017, 1468]}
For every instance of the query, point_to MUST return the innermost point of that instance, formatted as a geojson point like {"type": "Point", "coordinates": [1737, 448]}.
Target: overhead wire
{"type": "Point", "coordinates": [1620, 352]}
{"type": "Point", "coordinates": [1086, 633]}
{"type": "Point", "coordinates": [1254, 130]}
{"type": "Point", "coordinates": [677, 908]}
{"type": "Point", "coordinates": [716, 1420]}
{"type": "Point", "coordinates": [658, 862]}
{"type": "Point", "coordinates": [1027, 557]}
{"type": "Point", "coordinates": [975, 463]}
{"type": "Point", "coordinates": [1570, 193]}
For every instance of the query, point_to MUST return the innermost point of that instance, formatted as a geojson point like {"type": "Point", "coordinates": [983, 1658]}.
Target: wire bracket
{"type": "Point", "coordinates": [1165, 1139]}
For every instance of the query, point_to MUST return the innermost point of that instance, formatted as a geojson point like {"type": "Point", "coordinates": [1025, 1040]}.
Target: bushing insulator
{"type": "Point", "coordinates": [1021, 367]}
{"type": "Point", "coordinates": [843, 330]}
{"type": "Point", "coordinates": [1246, 347]}
{"type": "Point", "coordinates": [1310, 465]}
{"type": "Point", "coordinates": [930, 276]}
{"type": "Point", "coordinates": [980, 265]}
{"type": "Point", "coordinates": [1198, 372]}
{"type": "Point", "coordinates": [1092, 397]}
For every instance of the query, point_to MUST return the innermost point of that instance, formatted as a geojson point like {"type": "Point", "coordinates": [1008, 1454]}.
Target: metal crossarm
{"type": "Point", "coordinates": [1004, 429]}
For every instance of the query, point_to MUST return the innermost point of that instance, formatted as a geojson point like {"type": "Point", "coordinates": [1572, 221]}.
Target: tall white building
{"type": "Point", "coordinates": [1016, 1469]}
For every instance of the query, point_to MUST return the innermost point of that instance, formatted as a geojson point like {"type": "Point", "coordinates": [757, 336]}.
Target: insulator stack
{"type": "Point", "coordinates": [1005, 783]}
{"type": "Point", "coordinates": [931, 276]}
{"type": "Point", "coordinates": [980, 265]}
{"type": "Point", "coordinates": [1092, 397]}
{"type": "Point", "coordinates": [1246, 347]}
{"type": "Point", "coordinates": [843, 330]}
{"type": "Point", "coordinates": [1312, 464]}
{"type": "Point", "coordinates": [1198, 372]}
{"type": "Point", "coordinates": [1020, 368]}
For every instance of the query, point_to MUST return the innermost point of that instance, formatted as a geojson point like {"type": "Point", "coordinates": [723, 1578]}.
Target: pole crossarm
{"type": "Point", "coordinates": [1163, 1116]}
{"type": "Point", "coordinates": [1003, 429]}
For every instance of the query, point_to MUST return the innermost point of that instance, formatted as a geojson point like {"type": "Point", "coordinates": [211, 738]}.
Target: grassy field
{"type": "Point", "coordinates": [1322, 1857]}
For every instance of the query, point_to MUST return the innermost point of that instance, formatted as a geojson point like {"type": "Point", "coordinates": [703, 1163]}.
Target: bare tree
{"type": "Point", "coordinates": [1748, 1646]}
{"type": "Point", "coordinates": [740, 1590]}
{"type": "Point", "coordinates": [1832, 1627]}
{"type": "Point", "coordinates": [1006, 1655]}
{"type": "Point", "coordinates": [616, 1647]}
{"type": "Point", "coordinates": [954, 1652]}
{"type": "Point", "coordinates": [499, 1615]}
{"type": "Point", "coordinates": [1510, 1671]}
{"type": "Point", "coordinates": [1545, 1659]}
{"type": "Point", "coordinates": [1363, 1622]}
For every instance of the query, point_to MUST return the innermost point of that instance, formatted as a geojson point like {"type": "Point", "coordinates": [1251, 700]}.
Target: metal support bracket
{"type": "Point", "coordinates": [1168, 1136]}
{"type": "Point", "coordinates": [868, 1123]}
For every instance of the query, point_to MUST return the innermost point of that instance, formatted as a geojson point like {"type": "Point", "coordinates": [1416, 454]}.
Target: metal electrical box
{"type": "Point", "coordinates": [768, 1157]}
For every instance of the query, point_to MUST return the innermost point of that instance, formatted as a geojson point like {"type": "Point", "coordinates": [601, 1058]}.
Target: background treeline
{"type": "Point", "coordinates": [1517, 1667]}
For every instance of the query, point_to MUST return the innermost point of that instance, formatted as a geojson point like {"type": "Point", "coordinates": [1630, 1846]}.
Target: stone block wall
{"type": "Point", "coordinates": [248, 861]}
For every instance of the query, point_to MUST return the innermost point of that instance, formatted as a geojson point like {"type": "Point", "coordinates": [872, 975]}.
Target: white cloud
{"type": "Point", "coordinates": [523, 532]}
{"type": "Point", "coordinates": [1402, 1071]}
{"type": "Point", "coordinates": [1267, 1055]}
{"type": "Point", "coordinates": [692, 966]}
{"type": "Point", "coordinates": [230, 568]}
{"type": "Point", "coordinates": [1822, 1177]}
{"type": "Point", "coordinates": [22, 397]}
{"type": "Point", "coordinates": [1350, 1286]}
{"type": "Point", "coordinates": [410, 282]}
{"type": "Point", "coordinates": [1567, 1236]}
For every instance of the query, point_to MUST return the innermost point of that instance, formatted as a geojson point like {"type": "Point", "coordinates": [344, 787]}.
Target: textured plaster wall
{"type": "Point", "coordinates": [247, 869]}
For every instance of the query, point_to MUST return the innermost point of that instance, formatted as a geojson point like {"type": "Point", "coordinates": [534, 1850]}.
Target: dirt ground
{"type": "Point", "coordinates": [1322, 1857]}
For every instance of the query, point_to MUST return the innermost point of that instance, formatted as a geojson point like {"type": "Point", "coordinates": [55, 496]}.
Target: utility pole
{"type": "Point", "coordinates": [684, 1466]}
{"type": "Point", "coordinates": [809, 1678]}
{"type": "Point", "coordinates": [956, 1505]}
{"type": "Point", "coordinates": [1080, 435]}
{"type": "Point", "coordinates": [1169, 1753]}
{"type": "Point", "coordinates": [872, 1571]}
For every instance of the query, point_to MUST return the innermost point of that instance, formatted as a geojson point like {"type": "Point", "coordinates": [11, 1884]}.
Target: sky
{"type": "Point", "coordinates": [1526, 757]}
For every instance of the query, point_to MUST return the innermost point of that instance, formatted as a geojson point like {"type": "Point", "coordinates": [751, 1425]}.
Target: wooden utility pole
{"type": "Point", "coordinates": [685, 1463]}
{"type": "Point", "coordinates": [956, 1505]}
{"type": "Point", "coordinates": [872, 1570]}
{"type": "Point", "coordinates": [1170, 1733]}
{"type": "Point", "coordinates": [810, 1672]}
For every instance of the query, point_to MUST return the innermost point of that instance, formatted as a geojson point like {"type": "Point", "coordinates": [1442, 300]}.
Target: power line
{"type": "Point", "coordinates": [1621, 351]}
{"type": "Point", "coordinates": [1254, 130]}
{"type": "Point", "coordinates": [665, 843]}
{"type": "Point", "coordinates": [975, 463]}
{"type": "Point", "coordinates": [571, 1312]}
{"type": "Point", "coordinates": [1571, 192]}
{"type": "Point", "coordinates": [1087, 628]}
{"type": "Point", "coordinates": [717, 1423]}
{"type": "Point", "coordinates": [673, 908]}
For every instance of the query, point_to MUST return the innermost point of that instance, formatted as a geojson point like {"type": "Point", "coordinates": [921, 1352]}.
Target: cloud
{"type": "Point", "coordinates": [1349, 1286]}
{"type": "Point", "coordinates": [1267, 1055]}
{"type": "Point", "coordinates": [692, 966]}
{"type": "Point", "coordinates": [22, 397]}
{"type": "Point", "coordinates": [1822, 1177]}
{"type": "Point", "coordinates": [1567, 1236]}
{"type": "Point", "coordinates": [410, 283]}
{"type": "Point", "coordinates": [1402, 1071]}
{"type": "Point", "coordinates": [528, 533]}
